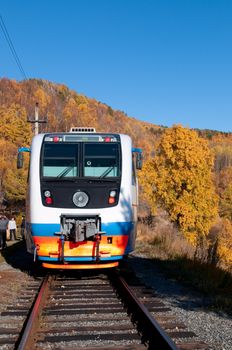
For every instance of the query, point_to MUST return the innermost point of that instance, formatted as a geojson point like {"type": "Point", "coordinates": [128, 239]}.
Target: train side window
{"type": "Point", "coordinates": [133, 170]}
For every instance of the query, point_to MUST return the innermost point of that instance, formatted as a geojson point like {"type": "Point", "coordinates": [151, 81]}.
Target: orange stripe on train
{"type": "Point", "coordinates": [51, 247]}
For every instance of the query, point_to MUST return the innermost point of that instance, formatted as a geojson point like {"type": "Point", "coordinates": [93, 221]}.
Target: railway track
{"type": "Point", "coordinates": [92, 311]}
{"type": "Point", "coordinates": [15, 315]}
{"type": "Point", "coordinates": [99, 312]}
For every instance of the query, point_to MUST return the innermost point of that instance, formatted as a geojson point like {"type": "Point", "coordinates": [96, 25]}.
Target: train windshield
{"type": "Point", "coordinates": [60, 160]}
{"type": "Point", "coordinates": [71, 160]}
{"type": "Point", "coordinates": [101, 160]}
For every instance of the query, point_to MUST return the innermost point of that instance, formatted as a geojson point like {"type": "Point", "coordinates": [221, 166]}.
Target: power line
{"type": "Point", "coordinates": [14, 53]}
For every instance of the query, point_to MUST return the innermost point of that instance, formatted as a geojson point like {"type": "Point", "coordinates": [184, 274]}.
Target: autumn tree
{"type": "Point", "coordinates": [224, 244]}
{"type": "Point", "coordinates": [179, 178]}
{"type": "Point", "coordinates": [223, 155]}
{"type": "Point", "coordinates": [14, 132]}
{"type": "Point", "coordinates": [224, 188]}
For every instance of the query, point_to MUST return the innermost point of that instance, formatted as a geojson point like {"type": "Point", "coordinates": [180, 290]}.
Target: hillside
{"type": "Point", "coordinates": [65, 108]}
{"type": "Point", "coordinates": [62, 108]}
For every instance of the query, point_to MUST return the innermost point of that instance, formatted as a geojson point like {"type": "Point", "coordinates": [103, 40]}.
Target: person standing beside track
{"type": "Point", "coordinates": [23, 227]}
{"type": "Point", "coordinates": [12, 227]}
{"type": "Point", "coordinates": [3, 227]}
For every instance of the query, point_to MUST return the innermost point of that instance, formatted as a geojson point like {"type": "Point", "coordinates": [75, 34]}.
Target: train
{"type": "Point", "coordinates": [82, 200]}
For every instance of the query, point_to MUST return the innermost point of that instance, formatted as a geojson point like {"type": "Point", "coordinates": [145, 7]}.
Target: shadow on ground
{"type": "Point", "coordinates": [17, 256]}
{"type": "Point", "coordinates": [177, 284]}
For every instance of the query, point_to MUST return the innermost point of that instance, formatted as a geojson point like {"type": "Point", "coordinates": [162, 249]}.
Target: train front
{"type": "Point", "coordinates": [82, 199]}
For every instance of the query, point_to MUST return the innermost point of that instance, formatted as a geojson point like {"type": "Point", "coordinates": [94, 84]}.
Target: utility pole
{"type": "Point", "coordinates": [36, 130]}
{"type": "Point", "coordinates": [37, 121]}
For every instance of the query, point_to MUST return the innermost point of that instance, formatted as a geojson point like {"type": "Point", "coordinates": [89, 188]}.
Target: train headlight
{"type": "Point", "coordinates": [113, 193]}
{"type": "Point", "coordinates": [80, 199]}
{"type": "Point", "coordinates": [47, 194]}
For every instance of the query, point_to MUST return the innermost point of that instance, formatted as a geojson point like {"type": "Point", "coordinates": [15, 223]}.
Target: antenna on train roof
{"type": "Point", "coordinates": [37, 121]}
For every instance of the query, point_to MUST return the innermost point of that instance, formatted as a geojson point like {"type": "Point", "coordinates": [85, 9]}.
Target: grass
{"type": "Point", "coordinates": [171, 253]}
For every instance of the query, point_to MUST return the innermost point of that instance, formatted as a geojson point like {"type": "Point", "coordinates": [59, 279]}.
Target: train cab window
{"type": "Point", "coordinates": [101, 160]}
{"type": "Point", "coordinates": [60, 160]}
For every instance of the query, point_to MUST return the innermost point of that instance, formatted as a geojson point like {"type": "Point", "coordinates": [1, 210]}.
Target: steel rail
{"type": "Point", "coordinates": [24, 342]}
{"type": "Point", "coordinates": [155, 336]}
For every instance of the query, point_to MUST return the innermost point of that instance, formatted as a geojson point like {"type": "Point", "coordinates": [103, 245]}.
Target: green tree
{"type": "Point", "coordinates": [179, 178]}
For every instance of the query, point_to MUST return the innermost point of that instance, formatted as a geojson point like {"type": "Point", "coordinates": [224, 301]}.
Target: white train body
{"type": "Point", "coordinates": [82, 199]}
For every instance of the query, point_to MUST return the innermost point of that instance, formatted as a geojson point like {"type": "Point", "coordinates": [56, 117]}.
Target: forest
{"type": "Point", "coordinates": [187, 173]}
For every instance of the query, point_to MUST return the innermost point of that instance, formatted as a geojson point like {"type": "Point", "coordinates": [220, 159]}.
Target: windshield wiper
{"type": "Point", "coordinates": [65, 171]}
{"type": "Point", "coordinates": [106, 172]}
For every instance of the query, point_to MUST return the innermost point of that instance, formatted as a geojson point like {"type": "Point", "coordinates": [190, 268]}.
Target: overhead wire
{"type": "Point", "coordinates": [11, 46]}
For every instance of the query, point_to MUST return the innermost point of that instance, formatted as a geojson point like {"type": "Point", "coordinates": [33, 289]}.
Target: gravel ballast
{"type": "Point", "coordinates": [187, 305]}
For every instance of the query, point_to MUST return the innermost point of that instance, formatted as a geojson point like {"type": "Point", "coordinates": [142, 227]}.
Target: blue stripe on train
{"type": "Point", "coordinates": [112, 229]}
{"type": "Point", "coordinates": [46, 258]}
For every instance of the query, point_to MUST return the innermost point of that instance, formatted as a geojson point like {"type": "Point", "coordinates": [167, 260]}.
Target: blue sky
{"type": "Point", "coordinates": [162, 61]}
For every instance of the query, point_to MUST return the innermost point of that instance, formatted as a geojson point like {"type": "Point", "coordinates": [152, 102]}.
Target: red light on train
{"type": "Point", "coordinates": [56, 139]}
{"type": "Point", "coordinates": [111, 200]}
{"type": "Point", "coordinates": [107, 139]}
{"type": "Point", "coordinates": [48, 200]}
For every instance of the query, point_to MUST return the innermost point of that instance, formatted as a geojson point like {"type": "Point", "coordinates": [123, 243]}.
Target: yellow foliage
{"type": "Point", "coordinates": [83, 107]}
{"type": "Point", "coordinates": [224, 185]}
{"type": "Point", "coordinates": [179, 179]}
{"type": "Point", "coordinates": [224, 248]}
{"type": "Point", "coordinates": [70, 108]}
{"type": "Point", "coordinates": [147, 183]}
{"type": "Point", "coordinates": [14, 126]}
{"type": "Point", "coordinates": [42, 98]}
{"type": "Point", "coordinates": [226, 202]}
{"type": "Point", "coordinates": [15, 132]}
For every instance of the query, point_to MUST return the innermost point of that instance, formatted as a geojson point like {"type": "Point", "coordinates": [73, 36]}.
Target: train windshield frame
{"type": "Point", "coordinates": [88, 160]}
